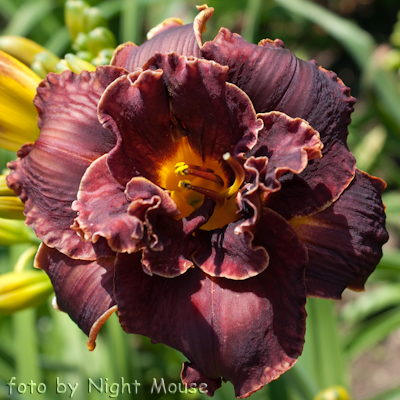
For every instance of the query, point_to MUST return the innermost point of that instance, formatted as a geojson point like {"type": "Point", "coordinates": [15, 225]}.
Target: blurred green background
{"type": "Point", "coordinates": [354, 343]}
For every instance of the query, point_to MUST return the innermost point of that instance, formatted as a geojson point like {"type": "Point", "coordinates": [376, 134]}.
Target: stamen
{"type": "Point", "coordinates": [199, 168]}
{"type": "Point", "coordinates": [185, 184]}
{"type": "Point", "coordinates": [220, 200]}
{"type": "Point", "coordinates": [205, 173]}
{"type": "Point", "coordinates": [239, 175]}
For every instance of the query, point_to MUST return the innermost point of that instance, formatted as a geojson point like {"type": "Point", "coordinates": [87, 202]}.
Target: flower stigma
{"type": "Point", "coordinates": [190, 179]}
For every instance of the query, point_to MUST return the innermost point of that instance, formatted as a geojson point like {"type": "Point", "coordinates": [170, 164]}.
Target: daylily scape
{"type": "Point", "coordinates": [202, 191]}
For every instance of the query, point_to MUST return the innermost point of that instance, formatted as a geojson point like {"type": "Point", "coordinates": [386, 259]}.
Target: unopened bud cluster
{"type": "Point", "coordinates": [93, 42]}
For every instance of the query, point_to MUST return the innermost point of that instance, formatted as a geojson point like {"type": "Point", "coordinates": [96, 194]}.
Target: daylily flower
{"type": "Point", "coordinates": [203, 190]}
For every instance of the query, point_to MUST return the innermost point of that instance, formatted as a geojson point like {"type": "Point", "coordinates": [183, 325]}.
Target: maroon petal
{"type": "Point", "coordinates": [193, 378]}
{"type": "Point", "coordinates": [171, 255]}
{"type": "Point", "coordinates": [48, 174]}
{"type": "Point", "coordinates": [344, 241]}
{"type": "Point", "coordinates": [135, 109]}
{"type": "Point", "coordinates": [226, 328]}
{"type": "Point", "coordinates": [103, 210]}
{"type": "Point", "coordinates": [182, 40]}
{"type": "Point", "coordinates": [284, 144]}
{"type": "Point", "coordinates": [230, 254]}
{"type": "Point", "coordinates": [215, 115]}
{"type": "Point", "coordinates": [275, 79]}
{"type": "Point", "coordinates": [84, 289]}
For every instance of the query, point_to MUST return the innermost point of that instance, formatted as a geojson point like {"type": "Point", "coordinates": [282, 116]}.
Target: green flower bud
{"type": "Point", "coordinates": [74, 16]}
{"type": "Point", "coordinates": [78, 65]}
{"type": "Point", "coordinates": [101, 61]}
{"type": "Point", "coordinates": [48, 60]}
{"type": "Point", "coordinates": [80, 43]}
{"type": "Point", "coordinates": [106, 53]}
{"type": "Point", "coordinates": [100, 38]}
{"type": "Point", "coordinates": [20, 290]}
{"type": "Point", "coordinates": [38, 68]}
{"type": "Point", "coordinates": [84, 55]}
{"type": "Point", "coordinates": [93, 19]}
{"type": "Point", "coordinates": [62, 66]}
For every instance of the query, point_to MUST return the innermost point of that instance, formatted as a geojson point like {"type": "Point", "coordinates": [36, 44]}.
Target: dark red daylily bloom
{"type": "Point", "coordinates": [204, 190]}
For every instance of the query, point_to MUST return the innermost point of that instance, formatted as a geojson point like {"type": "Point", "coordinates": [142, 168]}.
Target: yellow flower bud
{"type": "Point", "coordinates": [11, 207]}
{"type": "Point", "coordinates": [18, 123]}
{"type": "Point", "coordinates": [20, 290]}
{"type": "Point", "coordinates": [12, 231]}
{"type": "Point", "coordinates": [21, 48]}
{"type": "Point", "coordinates": [4, 189]}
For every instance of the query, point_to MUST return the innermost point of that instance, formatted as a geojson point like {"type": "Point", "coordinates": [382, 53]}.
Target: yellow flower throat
{"type": "Point", "coordinates": [190, 179]}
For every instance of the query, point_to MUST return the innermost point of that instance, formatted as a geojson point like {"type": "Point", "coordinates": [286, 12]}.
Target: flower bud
{"type": "Point", "coordinates": [12, 231]}
{"type": "Point", "coordinates": [61, 66]}
{"type": "Point", "coordinates": [21, 48]}
{"type": "Point", "coordinates": [18, 86]}
{"type": "Point", "coordinates": [93, 19]}
{"type": "Point", "coordinates": [4, 189]}
{"type": "Point", "coordinates": [48, 60]}
{"type": "Point", "coordinates": [80, 42]}
{"type": "Point", "coordinates": [78, 65]}
{"type": "Point", "coordinates": [39, 69]}
{"type": "Point", "coordinates": [20, 290]}
{"type": "Point", "coordinates": [85, 55]}
{"type": "Point", "coordinates": [333, 393]}
{"type": "Point", "coordinates": [74, 16]}
{"type": "Point", "coordinates": [11, 207]}
{"type": "Point", "coordinates": [100, 38]}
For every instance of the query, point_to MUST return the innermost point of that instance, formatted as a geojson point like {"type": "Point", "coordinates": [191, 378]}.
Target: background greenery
{"type": "Point", "coordinates": [358, 39]}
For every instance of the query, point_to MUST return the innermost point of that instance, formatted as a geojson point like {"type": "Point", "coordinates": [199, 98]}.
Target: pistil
{"type": "Point", "coordinates": [239, 175]}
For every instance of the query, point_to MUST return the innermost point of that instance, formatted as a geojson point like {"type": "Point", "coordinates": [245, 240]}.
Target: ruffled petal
{"type": "Point", "coordinates": [167, 37]}
{"type": "Point", "coordinates": [171, 254]}
{"type": "Point", "coordinates": [344, 241]}
{"type": "Point", "coordinates": [275, 79]}
{"type": "Point", "coordinates": [84, 289]}
{"type": "Point", "coordinates": [216, 115]}
{"type": "Point", "coordinates": [102, 209]}
{"type": "Point", "coordinates": [227, 253]}
{"type": "Point", "coordinates": [47, 175]}
{"type": "Point", "coordinates": [135, 109]}
{"type": "Point", "coordinates": [284, 145]}
{"type": "Point", "coordinates": [226, 328]}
